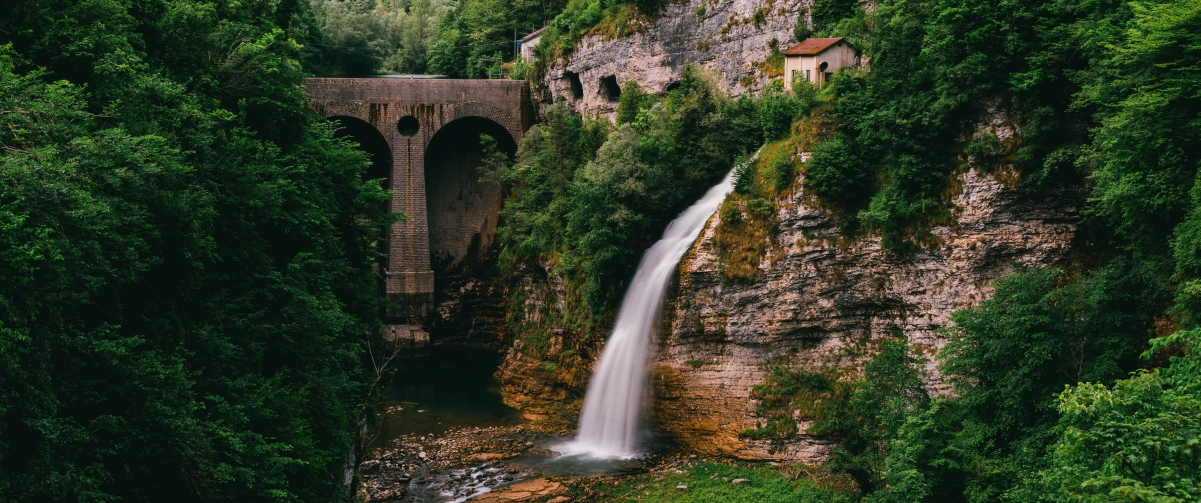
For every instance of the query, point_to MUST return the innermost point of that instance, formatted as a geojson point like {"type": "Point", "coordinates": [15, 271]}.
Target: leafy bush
{"type": "Point", "coordinates": [859, 413]}
{"type": "Point", "coordinates": [780, 171]}
{"type": "Point", "coordinates": [778, 111]}
{"type": "Point", "coordinates": [1139, 440]}
{"type": "Point", "coordinates": [836, 172]}
{"type": "Point", "coordinates": [186, 253]}
{"type": "Point", "coordinates": [744, 175]}
{"type": "Point", "coordinates": [827, 13]}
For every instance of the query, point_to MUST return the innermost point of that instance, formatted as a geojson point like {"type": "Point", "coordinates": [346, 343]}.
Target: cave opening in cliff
{"type": "Point", "coordinates": [577, 87]}
{"type": "Point", "coordinates": [370, 141]}
{"type": "Point", "coordinates": [609, 89]}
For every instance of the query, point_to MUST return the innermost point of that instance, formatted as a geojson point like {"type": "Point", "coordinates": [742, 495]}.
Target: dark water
{"type": "Point", "coordinates": [440, 387]}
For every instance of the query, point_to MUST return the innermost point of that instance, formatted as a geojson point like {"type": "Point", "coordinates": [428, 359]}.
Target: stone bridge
{"type": "Point", "coordinates": [423, 138]}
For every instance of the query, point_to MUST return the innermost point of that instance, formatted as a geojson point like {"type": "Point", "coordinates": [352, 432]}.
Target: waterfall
{"type": "Point", "coordinates": [609, 422]}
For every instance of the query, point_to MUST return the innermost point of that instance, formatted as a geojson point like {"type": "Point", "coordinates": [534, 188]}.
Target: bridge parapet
{"type": "Point", "coordinates": [408, 113]}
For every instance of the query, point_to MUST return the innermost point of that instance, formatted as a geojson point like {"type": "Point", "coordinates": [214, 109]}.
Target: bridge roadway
{"type": "Point", "coordinates": [427, 146]}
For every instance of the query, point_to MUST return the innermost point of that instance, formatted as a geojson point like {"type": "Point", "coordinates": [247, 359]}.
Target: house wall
{"type": "Point", "coordinates": [840, 55]}
{"type": "Point", "coordinates": [527, 48]}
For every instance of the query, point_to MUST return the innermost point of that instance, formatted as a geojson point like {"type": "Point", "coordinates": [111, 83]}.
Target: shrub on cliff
{"type": "Point", "coordinates": [836, 172]}
{"type": "Point", "coordinates": [595, 206]}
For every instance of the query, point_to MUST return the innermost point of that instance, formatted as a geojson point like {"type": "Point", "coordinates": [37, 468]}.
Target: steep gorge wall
{"type": "Point", "coordinates": [814, 299]}
{"type": "Point", "coordinates": [816, 296]}
{"type": "Point", "coordinates": [725, 38]}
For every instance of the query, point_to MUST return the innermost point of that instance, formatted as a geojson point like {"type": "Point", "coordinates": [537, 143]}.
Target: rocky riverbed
{"type": "Point", "coordinates": [453, 465]}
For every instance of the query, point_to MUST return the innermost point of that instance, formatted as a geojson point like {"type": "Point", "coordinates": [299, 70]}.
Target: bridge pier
{"type": "Point", "coordinates": [408, 113]}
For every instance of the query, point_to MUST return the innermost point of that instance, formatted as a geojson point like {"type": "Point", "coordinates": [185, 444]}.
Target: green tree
{"type": "Point", "coordinates": [186, 254]}
{"type": "Point", "coordinates": [1139, 441]}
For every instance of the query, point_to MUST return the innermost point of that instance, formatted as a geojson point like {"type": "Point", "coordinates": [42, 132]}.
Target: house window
{"type": "Point", "coordinates": [793, 77]}
{"type": "Point", "coordinates": [807, 77]}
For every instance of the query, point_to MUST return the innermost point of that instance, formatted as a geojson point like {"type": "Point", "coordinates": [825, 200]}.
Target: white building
{"type": "Point", "coordinates": [816, 59]}
{"type": "Point", "coordinates": [528, 43]}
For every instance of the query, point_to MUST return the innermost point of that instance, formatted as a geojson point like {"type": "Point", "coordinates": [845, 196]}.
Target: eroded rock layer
{"type": "Point", "coordinates": [817, 295]}
{"type": "Point", "coordinates": [731, 38]}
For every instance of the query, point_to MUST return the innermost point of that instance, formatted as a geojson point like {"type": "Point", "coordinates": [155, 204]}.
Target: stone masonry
{"type": "Point", "coordinates": [389, 104]}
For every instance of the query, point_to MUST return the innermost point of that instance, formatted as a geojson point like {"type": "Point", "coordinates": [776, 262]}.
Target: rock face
{"type": "Point", "coordinates": [815, 298]}
{"type": "Point", "coordinates": [731, 38]}
{"type": "Point", "coordinates": [548, 395]}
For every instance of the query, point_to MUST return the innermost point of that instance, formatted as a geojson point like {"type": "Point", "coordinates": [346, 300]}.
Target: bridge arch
{"type": "Point", "coordinates": [371, 141]}
{"type": "Point", "coordinates": [462, 205]}
{"type": "Point", "coordinates": [390, 106]}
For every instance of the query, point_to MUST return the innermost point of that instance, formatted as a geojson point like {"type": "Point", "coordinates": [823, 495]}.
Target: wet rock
{"type": "Point", "coordinates": [484, 456]}
{"type": "Point", "coordinates": [523, 491]}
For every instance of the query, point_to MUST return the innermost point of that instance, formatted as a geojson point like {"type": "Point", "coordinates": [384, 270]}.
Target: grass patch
{"type": "Point", "coordinates": [790, 395]}
{"type": "Point", "coordinates": [619, 21]}
{"type": "Point", "coordinates": [748, 219]}
{"type": "Point", "coordinates": [713, 482]}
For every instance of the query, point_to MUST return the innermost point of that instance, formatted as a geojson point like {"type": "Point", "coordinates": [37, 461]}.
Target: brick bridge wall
{"type": "Point", "coordinates": [383, 102]}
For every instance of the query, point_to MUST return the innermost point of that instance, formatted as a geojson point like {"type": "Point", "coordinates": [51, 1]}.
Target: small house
{"type": "Point", "coordinates": [816, 59]}
{"type": "Point", "coordinates": [528, 43]}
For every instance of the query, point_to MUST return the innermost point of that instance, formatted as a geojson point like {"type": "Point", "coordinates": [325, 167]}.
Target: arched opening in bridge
{"type": "Point", "coordinates": [461, 209]}
{"type": "Point", "coordinates": [370, 141]}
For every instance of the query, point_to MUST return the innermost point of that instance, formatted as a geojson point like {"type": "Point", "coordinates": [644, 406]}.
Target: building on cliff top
{"type": "Point", "coordinates": [816, 59]}
{"type": "Point", "coordinates": [528, 43]}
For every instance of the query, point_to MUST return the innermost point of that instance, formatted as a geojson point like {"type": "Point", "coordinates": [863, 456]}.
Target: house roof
{"type": "Point", "coordinates": [812, 46]}
{"type": "Point", "coordinates": [534, 34]}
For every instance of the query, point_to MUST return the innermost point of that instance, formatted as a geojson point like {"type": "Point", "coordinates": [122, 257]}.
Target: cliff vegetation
{"type": "Point", "coordinates": [1040, 96]}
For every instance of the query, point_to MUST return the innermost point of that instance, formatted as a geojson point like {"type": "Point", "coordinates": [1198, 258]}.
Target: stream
{"type": "Point", "coordinates": [437, 388]}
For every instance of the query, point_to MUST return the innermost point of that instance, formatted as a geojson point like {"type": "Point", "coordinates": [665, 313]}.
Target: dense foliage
{"type": "Point", "coordinates": [1099, 89]}
{"type": "Point", "coordinates": [456, 38]}
{"type": "Point", "coordinates": [461, 38]}
{"type": "Point", "coordinates": [587, 198]}
{"type": "Point", "coordinates": [185, 254]}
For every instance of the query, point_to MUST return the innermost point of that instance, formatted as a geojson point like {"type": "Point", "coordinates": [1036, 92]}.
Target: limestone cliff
{"type": "Point", "coordinates": [815, 294]}
{"type": "Point", "coordinates": [815, 298]}
{"type": "Point", "coordinates": [731, 38]}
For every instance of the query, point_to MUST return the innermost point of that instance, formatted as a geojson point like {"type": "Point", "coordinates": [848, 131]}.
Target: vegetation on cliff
{"type": "Point", "coordinates": [586, 197]}
{"type": "Point", "coordinates": [185, 256]}
{"type": "Point", "coordinates": [1051, 398]}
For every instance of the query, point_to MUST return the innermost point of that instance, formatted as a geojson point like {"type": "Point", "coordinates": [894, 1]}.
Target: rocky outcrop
{"type": "Point", "coordinates": [819, 293]}
{"type": "Point", "coordinates": [550, 393]}
{"type": "Point", "coordinates": [731, 38]}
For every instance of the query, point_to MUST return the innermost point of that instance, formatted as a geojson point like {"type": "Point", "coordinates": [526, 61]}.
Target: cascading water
{"type": "Point", "coordinates": [609, 422]}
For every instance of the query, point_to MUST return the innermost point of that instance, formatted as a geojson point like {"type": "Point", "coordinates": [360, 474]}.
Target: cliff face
{"type": "Point", "coordinates": [549, 394]}
{"type": "Point", "coordinates": [816, 294]}
{"type": "Point", "coordinates": [813, 299]}
{"type": "Point", "coordinates": [731, 38]}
